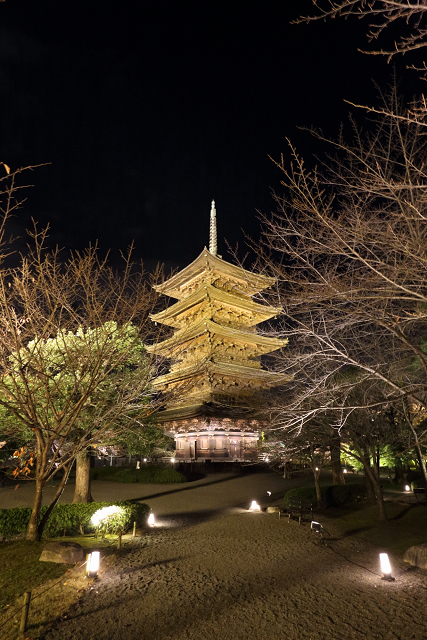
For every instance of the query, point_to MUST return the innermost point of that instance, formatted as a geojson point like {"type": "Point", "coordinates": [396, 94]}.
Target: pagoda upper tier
{"type": "Point", "coordinates": [216, 348]}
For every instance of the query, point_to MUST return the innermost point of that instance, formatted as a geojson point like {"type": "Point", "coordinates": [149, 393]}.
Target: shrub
{"type": "Point", "coordinates": [98, 473]}
{"type": "Point", "coordinates": [146, 475]}
{"type": "Point", "coordinates": [415, 479]}
{"type": "Point", "coordinates": [305, 493]}
{"type": "Point", "coordinates": [13, 521]}
{"type": "Point", "coordinates": [333, 496]}
{"type": "Point", "coordinates": [70, 518]}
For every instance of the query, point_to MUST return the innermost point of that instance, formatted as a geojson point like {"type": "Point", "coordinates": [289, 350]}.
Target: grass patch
{"type": "Point", "coordinates": [21, 570]}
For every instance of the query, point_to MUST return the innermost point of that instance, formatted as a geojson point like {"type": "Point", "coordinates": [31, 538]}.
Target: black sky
{"type": "Point", "coordinates": [148, 110]}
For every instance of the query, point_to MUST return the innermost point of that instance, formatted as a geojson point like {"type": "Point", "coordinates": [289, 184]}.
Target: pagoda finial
{"type": "Point", "coordinates": [212, 231]}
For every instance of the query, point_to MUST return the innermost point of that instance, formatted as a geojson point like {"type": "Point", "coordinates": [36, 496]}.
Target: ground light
{"type": "Point", "coordinates": [172, 460]}
{"type": "Point", "coordinates": [254, 506]}
{"type": "Point", "coordinates": [345, 470]}
{"type": "Point", "coordinates": [385, 567]}
{"type": "Point", "coordinates": [92, 564]}
{"type": "Point", "coordinates": [407, 487]}
{"type": "Point", "coordinates": [151, 519]}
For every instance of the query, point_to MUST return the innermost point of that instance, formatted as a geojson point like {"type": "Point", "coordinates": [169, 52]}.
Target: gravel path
{"type": "Point", "coordinates": [213, 571]}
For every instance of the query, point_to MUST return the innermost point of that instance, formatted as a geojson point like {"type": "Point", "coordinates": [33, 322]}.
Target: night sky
{"type": "Point", "coordinates": [148, 110]}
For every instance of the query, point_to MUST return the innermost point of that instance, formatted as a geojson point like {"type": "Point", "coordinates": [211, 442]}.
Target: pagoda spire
{"type": "Point", "coordinates": [212, 231]}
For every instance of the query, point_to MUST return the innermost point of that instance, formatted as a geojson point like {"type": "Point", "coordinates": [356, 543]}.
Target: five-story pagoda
{"type": "Point", "coordinates": [216, 354]}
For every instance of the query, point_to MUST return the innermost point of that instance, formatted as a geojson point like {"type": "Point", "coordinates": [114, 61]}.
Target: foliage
{"type": "Point", "coordinates": [146, 475]}
{"type": "Point", "coordinates": [332, 496]}
{"type": "Point", "coordinates": [69, 518]}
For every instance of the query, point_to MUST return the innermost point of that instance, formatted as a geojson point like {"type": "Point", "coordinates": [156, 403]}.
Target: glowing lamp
{"type": "Point", "coordinates": [407, 487]}
{"type": "Point", "coordinates": [151, 519]}
{"type": "Point", "coordinates": [385, 567]}
{"type": "Point", "coordinates": [269, 493]}
{"type": "Point", "coordinates": [345, 470]}
{"type": "Point", "coordinates": [317, 468]}
{"type": "Point", "coordinates": [172, 460]}
{"type": "Point", "coordinates": [254, 506]}
{"type": "Point", "coordinates": [145, 459]}
{"type": "Point", "coordinates": [266, 459]}
{"type": "Point", "coordinates": [92, 564]}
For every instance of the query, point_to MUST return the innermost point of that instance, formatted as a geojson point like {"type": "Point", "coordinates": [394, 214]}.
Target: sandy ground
{"type": "Point", "coordinates": [211, 570]}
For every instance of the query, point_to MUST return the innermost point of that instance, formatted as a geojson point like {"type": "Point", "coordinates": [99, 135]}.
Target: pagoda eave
{"type": "Point", "coordinates": [207, 262]}
{"type": "Point", "coordinates": [207, 326]}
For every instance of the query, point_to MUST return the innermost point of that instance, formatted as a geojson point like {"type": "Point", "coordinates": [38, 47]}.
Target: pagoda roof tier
{"type": "Point", "coordinates": [223, 369]}
{"type": "Point", "coordinates": [205, 264]}
{"type": "Point", "coordinates": [171, 315]}
{"type": "Point", "coordinates": [210, 410]}
{"type": "Point", "coordinates": [264, 344]}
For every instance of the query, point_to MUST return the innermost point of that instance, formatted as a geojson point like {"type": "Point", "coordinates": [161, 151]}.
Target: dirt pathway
{"type": "Point", "coordinates": [217, 572]}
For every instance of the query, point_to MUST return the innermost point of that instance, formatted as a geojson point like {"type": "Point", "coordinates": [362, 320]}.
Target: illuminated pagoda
{"type": "Point", "coordinates": [216, 354]}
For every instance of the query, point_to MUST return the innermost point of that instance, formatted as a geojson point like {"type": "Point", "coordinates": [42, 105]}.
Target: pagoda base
{"type": "Point", "coordinates": [207, 433]}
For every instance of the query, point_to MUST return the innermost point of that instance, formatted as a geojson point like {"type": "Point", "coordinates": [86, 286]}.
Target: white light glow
{"type": "Point", "coordinates": [385, 564]}
{"type": "Point", "coordinates": [317, 468]}
{"type": "Point", "coordinates": [266, 459]}
{"type": "Point", "coordinates": [269, 493]}
{"type": "Point", "coordinates": [345, 470]}
{"type": "Point", "coordinates": [407, 487]}
{"type": "Point", "coordinates": [93, 563]}
{"type": "Point", "coordinates": [103, 514]}
{"type": "Point", "coordinates": [151, 519]}
{"type": "Point", "coordinates": [172, 460]}
{"type": "Point", "coordinates": [145, 459]}
{"type": "Point", "coordinates": [254, 506]}
{"type": "Point", "coordinates": [138, 464]}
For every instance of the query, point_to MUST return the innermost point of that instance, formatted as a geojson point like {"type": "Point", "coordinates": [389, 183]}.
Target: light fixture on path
{"type": "Point", "coordinates": [92, 564]}
{"type": "Point", "coordinates": [151, 520]}
{"type": "Point", "coordinates": [385, 567]}
{"type": "Point", "coordinates": [254, 506]}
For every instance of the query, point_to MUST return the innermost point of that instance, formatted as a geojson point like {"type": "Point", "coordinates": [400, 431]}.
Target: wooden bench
{"type": "Point", "coordinates": [420, 494]}
{"type": "Point", "coordinates": [299, 507]}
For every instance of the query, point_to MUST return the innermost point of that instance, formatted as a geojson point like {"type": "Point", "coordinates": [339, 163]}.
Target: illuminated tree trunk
{"type": "Point", "coordinates": [82, 492]}
{"type": "Point", "coordinates": [32, 527]}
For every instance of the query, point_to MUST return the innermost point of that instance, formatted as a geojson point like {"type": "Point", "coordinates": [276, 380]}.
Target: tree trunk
{"type": "Point", "coordinates": [370, 489]}
{"type": "Point", "coordinates": [33, 522]}
{"type": "Point", "coordinates": [58, 494]}
{"type": "Point", "coordinates": [317, 485]}
{"type": "Point", "coordinates": [337, 471]}
{"type": "Point", "coordinates": [422, 465]}
{"type": "Point", "coordinates": [398, 472]}
{"type": "Point", "coordinates": [82, 492]}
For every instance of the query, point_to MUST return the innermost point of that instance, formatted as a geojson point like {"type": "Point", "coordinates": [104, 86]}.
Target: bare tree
{"type": "Point", "coordinates": [411, 17]}
{"type": "Point", "coordinates": [73, 366]}
{"type": "Point", "coordinates": [348, 246]}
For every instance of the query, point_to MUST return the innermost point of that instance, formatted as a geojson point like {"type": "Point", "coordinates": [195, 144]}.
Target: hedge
{"type": "Point", "coordinates": [146, 475]}
{"type": "Point", "coordinates": [71, 518]}
{"type": "Point", "coordinates": [332, 496]}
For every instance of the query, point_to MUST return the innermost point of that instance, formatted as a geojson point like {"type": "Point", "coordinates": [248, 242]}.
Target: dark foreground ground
{"type": "Point", "coordinates": [213, 571]}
